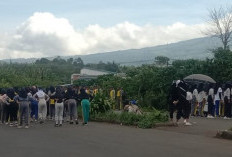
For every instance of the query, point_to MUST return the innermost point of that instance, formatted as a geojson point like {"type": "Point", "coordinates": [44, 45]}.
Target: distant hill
{"type": "Point", "coordinates": [198, 48]}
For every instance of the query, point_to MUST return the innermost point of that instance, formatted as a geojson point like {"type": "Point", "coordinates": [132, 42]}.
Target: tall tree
{"type": "Point", "coordinates": [161, 60]}
{"type": "Point", "coordinates": [220, 21]}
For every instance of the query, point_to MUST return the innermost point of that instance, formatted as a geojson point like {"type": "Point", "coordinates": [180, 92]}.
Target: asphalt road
{"type": "Point", "coordinates": [108, 140]}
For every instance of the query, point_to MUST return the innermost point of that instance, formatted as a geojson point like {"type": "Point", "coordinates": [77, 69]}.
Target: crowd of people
{"type": "Point", "coordinates": [18, 107]}
{"type": "Point", "coordinates": [202, 99]}
{"type": "Point", "coordinates": [21, 106]}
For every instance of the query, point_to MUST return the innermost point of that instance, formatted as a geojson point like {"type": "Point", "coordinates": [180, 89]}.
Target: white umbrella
{"type": "Point", "coordinates": [200, 78]}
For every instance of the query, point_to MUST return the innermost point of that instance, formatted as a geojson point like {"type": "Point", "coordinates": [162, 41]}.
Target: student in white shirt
{"type": "Point", "coordinates": [218, 99]}
{"type": "Point", "coordinates": [194, 100]}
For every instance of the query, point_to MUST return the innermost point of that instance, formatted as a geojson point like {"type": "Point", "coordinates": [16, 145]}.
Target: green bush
{"type": "Point", "coordinates": [147, 120]}
{"type": "Point", "coordinates": [100, 104]}
{"type": "Point", "coordinates": [129, 118]}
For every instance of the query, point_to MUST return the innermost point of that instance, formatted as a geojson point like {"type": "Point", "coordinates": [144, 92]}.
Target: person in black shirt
{"type": "Point", "coordinates": [71, 97]}
{"type": "Point", "coordinates": [180, 99]}
{"type": "Point", "coordinates": [171, 98]}
{"type": "Point", "coordinates": [59, 106]}
{"type": "Point", "coordinates": [12, 108]}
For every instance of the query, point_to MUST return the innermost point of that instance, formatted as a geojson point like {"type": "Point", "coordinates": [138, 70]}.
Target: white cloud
{"type": "Point", "coordinates": [44, 35]}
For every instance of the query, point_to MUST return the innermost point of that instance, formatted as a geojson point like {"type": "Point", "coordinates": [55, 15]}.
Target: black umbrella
{"type": "Point", "coordinates": [199, 78]}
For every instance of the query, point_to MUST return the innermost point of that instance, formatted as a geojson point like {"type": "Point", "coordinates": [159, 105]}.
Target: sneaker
{"type": "Point", "coordinates": [188, 124]}
{"type": "Point", "coordinates": [226, 117]}
{"type": "Point", "coordinates": [84, 123]}
{"type": "Point", "coordinates": [6, 123]}
{"type": "Point", "coordinates": [71, 122]}
{"type": "Point", "coordinates": [77, 122]}
{"type": "Point", "coordinates": [11, 124]}
{"type": "Point", "coordinates": [185, 121]}
{"type": "Point", "coordinates": [177, 122]}
{"type": "Point", "coordinates": [26, 127]}
{"type": "Point", "coordinates": [60, 125]}
{"type": "Point", "coordinates": [56, 125]}
{"type": "Point", "coordinates": [20, 126]}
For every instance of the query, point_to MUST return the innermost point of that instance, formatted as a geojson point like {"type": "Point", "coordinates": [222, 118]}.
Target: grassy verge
{"type": "Point", "coordinates": [147, 120]}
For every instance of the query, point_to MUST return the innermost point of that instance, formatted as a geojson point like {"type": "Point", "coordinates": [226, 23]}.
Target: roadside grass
{"type": "Point", "coordinates": [146, 120]}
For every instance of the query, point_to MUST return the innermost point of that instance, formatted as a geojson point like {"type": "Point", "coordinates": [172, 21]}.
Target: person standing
{"type": "Point", "coordinates": [227, 102]}
{"type": "Point", "coordinates": [181, 102]}
{"type": "Point", "coordinates": [218, 99]}
{"type": "Point", "coordinates": [4, 104]}
{"type": "Point", "coordinates": [59, 107]}
{"type": "Point", "coordinates": [51, 94]}
{"type": "Point", "coordinates": [42, 98]}
{"type": "Point", "coordinates": [171, 98]}
{"type": "Point", "coordinates": [187, 107]}
{"type": "Point", "coordinates": [210, 100]}
{"type": "Point", "coordinates": [34, 103]}
{"type": "Point", "coordinates": [194, 101]}
{"type": "Point", "coordinates": [23, 100]}
{"type": "Point", "coordinates": [119, 98]}
{"type": "Point", "coordinates": [71, 97]}
{"type": "Point", "coordinates": [85, 103]}
{"type": "Point", "coordinates": [201, 100]}
{"type": "Point", "coordinates": [12, 108]}
{"type": "Point", "coordinates": [112, 97]}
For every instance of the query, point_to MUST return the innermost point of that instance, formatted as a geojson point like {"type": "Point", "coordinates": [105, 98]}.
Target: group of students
{"type": "Point", "coordinates": [212, 101]}
{"type": "Point", "coordinates": [205, 100]}
{"type": "Point", "coordinates": [18, 106]}
{"type": "Point", "coordinates": [118, 98]}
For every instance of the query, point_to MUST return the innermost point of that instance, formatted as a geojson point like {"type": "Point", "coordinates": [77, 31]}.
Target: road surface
{"type": "Point", "coordinates": [109, 140]}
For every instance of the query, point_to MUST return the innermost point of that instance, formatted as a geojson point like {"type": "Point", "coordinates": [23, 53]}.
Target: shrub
{"type": "Point", "coordinates": [147, 120]}
{"type": "Point", "coordinates": [100, 103]}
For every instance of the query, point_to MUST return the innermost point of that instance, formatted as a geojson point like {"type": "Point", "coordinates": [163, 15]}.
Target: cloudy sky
{"type": "Point", "coordinates": [42, 28]}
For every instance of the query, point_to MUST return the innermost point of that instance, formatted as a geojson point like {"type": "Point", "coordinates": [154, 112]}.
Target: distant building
{"type": "Point", "coordinates": [74, 77]}
{"type": "Point", "coordinates": [122, 75]}
{"type": "Point", "coordinates": [88, 74]}
{"type": "Point", "coordinates": [92, 72]}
